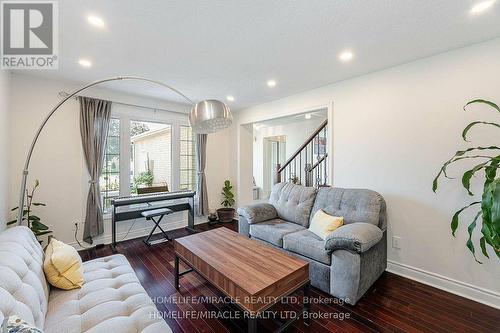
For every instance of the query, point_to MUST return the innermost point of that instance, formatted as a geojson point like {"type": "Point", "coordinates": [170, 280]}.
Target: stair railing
{"type": "Point", "coordinates": [309, 164]}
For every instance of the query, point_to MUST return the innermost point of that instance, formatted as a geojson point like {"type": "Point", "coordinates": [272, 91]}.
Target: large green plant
{"type": "Point", "coordinates": [490, 200]}
{"type": "Point", "coordinates": [32, 221]}
{"type": "Point", "coordinates": [227, 195]}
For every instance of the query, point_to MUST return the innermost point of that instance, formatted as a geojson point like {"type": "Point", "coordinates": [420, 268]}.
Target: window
{"type": "Point", "coordinates": [109, 183]}
{"type": "Point", "coordinates": [147, 151]}
{"type": "Point", "coordinates": [151, 155]}
{"type": "Point", "coordinates": [187, 163]}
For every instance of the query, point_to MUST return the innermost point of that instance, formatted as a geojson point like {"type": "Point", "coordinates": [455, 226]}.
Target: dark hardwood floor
{"type": "Point", "coordinates": [393, 304]}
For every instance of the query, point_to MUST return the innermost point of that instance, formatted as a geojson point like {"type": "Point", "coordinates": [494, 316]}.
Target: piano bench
{"type": "Point", "coordinates": [150, 215]}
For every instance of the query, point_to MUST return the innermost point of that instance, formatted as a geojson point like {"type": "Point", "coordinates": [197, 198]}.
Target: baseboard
{"type": "Point", "coordinates": [475, 293]}
{"type": "Point", "coordinates": [139, 232]}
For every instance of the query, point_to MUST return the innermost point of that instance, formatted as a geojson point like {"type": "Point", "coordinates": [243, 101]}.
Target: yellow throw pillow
{"type": "Point", "coordinates": [63, 266]}
{"type": "Point", "coordinates": [323, 224]}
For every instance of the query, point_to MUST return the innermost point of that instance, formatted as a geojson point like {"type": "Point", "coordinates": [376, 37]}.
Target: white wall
{"type": "Point", "coordinates": [58, 158]}
{"type": "Point", "coordinates": [4, 147]}
{"type": "Point", "coordinates": [392, 130]}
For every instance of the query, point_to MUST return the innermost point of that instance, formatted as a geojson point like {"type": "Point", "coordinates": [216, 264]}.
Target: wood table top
{"type": "Point", "coordinates": [242, 267]}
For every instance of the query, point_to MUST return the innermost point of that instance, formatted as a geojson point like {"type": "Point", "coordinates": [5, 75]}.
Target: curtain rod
{"type": "Point", "coordinates": [65, 94]}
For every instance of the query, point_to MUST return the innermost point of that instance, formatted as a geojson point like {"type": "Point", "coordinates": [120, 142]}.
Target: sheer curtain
{"type": "Point", "coordinates": [95, 115]}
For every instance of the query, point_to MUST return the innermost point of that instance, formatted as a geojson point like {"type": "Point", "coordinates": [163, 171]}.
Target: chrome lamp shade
{"type": "Point", "coordinates": [210, 116]}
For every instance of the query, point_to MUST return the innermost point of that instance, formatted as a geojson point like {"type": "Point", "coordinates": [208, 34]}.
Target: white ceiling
{"type": "Point", "coordinates": [210, 49]}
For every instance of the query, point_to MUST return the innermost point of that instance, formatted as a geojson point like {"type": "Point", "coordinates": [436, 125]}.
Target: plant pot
{"type": "Point", "coordinates": [225, 214]}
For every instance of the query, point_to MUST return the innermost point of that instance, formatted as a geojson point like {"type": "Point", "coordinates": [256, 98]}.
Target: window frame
{"type": "Point", "coordinates": [193, 155]}
{"type": "Point", "coordinates": [125, 114]}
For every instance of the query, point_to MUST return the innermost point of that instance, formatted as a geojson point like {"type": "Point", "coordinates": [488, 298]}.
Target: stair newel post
{"type": "Point", "coordinates": [277, 174]}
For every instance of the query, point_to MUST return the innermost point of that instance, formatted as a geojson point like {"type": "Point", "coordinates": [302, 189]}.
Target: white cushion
{"type": "Point", "coordinates": [23, 289]}
{"type": "Point", "coordinates": [110, 300]}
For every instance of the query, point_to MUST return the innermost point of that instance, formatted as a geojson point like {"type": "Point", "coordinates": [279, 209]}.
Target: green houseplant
{"type": "Point", "coordinates": [226, 214]}
{"type": "Point", "coordinates": [489, 204]}
{"type": "Point", "coordinates": [32, 221]}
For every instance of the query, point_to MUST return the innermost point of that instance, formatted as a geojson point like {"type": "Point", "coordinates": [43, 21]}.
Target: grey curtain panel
{"type": "Point", "coordinates": [201, 184]}
{"type": "Point", "coordinates": [95, 115]}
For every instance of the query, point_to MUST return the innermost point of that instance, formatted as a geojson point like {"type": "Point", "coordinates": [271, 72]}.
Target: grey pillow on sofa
{"type": "Point", "coordinates": [358, 237]}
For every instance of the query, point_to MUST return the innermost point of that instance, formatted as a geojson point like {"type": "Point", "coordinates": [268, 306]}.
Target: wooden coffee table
{"type": "Point", "coordinates": [255, 276]}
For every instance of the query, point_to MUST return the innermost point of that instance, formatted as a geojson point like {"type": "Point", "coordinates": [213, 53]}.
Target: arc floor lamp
{"type": "Point", "coordinates": [207, 116]}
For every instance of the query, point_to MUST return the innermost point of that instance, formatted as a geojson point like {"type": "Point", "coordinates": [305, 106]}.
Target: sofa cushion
{"type": "Point", "coordinates": [357, 237]}
{"type": "Point", "coordinates": [273, 231]}
{"type": "Point", "coordinates": [293, 202]}
{"type": "Point", "coordinates": [308, 244]}
{"type": "Point", "coordinates": [354, 205]}
{"type": "Point", "coordinates": [23, 288]}
{"type": "Point", "coordinates": [63, 265]}
{"type": "Point", "coordinates": [110, 300]}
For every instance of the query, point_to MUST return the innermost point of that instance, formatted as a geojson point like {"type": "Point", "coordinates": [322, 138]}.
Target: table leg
{"type": "Point", "coordinates": [307, 304]}
{"type": "Point", "coordinates": [176, 272]}
{"type": "Point", "coordinates": [252, 324]}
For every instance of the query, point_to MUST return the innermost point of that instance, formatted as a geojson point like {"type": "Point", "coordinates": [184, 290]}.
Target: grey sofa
{"type": "Point", "coordinates": [350, 259]}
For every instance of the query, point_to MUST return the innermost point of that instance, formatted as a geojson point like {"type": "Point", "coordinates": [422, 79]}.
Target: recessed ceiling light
{"type": "Point", "coordinates": [84, 63]}
{"type": "Point", "coordinates": [482, 6]}
{"type": "Point", "coordinates": [346, 56]}
{"type": "Point", "coordinates": [271, 83]}
{"type": "Point", "coordinates": [230, 98]}
{"type": "Point", "coordinates": [307, 116]}
{"type": "Point", "coordinates": [96, 21]}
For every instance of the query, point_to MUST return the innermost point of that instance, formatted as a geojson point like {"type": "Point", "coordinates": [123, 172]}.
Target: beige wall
{"type": "Point", "coordinates": [391, 132]}
{"type": "Point", "coordinates": [4, 147]}
{"type": "Point", "coordinates": [58, 158]}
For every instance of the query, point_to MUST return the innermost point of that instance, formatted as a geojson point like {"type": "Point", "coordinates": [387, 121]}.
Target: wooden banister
{"type": "Point", "coordinates": [309, 139]}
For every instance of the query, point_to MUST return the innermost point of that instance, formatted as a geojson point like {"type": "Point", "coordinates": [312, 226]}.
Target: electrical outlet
{"type": "Point", "coordinates": [396, 242]}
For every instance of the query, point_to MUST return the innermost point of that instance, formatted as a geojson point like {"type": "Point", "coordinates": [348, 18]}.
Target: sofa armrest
{"type": "Point", "coordinates": [358, 237]}
{"type": "Point", "coordinates": [258, 212]}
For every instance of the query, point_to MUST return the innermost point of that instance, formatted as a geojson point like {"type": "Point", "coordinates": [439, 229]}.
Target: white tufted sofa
{"type": "Point", "coordinates": [111, 299]}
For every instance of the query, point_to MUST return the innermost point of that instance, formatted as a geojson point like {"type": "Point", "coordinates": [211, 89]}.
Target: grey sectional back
{"type": "Point", "coordinates": [355, 205]}
{"type": "Point", "coordinates": [293, 202]}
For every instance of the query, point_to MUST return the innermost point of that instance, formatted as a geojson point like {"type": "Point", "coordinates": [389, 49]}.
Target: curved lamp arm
{"type": "Point", "coordinates": [37, 134]}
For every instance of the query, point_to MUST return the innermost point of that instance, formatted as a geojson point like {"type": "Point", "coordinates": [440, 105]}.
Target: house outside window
{"type": "Point", "coordinates": [151, 157]}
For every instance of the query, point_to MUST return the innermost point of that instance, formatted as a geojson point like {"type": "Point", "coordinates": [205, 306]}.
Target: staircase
{"type": "Point", "coordinates": [309, 164]}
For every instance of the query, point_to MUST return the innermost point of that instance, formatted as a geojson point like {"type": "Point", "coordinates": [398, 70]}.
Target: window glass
{"type": "Point", "coordinates": [150, 157]}
{"type": "Point", "coordinates": [187, 159]}
{"type": "Point", "coordinates": [109, 183]}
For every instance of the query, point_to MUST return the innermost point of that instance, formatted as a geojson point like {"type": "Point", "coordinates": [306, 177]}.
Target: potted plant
{"type": "Point", "coordinates": [488, 211]}
{"type": "Point", "coordinates": [32, 221]}
{"type": "Point", "coordinates": [226, 214]}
